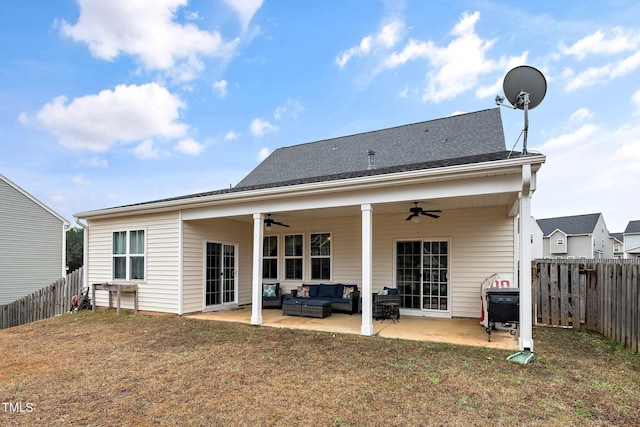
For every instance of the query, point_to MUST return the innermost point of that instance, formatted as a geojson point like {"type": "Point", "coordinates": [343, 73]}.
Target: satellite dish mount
{"type": "Point", "coordinates": [525, 88]}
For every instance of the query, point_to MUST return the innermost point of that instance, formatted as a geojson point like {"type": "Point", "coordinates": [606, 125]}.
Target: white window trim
{"type": "Point", "coordinates": [127, 255]}
{"type": "Point", "coordinates": [311, 257]}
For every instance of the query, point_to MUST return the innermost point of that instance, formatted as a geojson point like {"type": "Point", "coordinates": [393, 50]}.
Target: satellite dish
{"type": "Point", "coordinates": [524, 79]}
{"type": "Point", "coordinates": [525, 88]}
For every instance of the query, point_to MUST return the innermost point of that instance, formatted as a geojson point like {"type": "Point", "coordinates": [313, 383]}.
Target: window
{"type": "Point", "coordinates": [560, 242]}
{"type": "Point", "coordinates": [293, 244]}
{"type": "Point", "coordinates": [270, 258]}
{"type": "Point", "coordinates": [129, 255]}
{"type": "Point", "coordinates": [320, 254]}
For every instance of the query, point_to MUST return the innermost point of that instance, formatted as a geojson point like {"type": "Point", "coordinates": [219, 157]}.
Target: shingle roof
{"type": "Point", "coordinates": [571, 225]}
{"type": "Point", "coordinates": [464, 135]}
{"type": "Point", "coordinates": [632, 227]}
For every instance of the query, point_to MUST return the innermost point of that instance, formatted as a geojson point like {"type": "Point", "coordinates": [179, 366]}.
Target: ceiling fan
{"type": "Point", "coordinates": [268, 222]}
{"type": "Point", "coordinates": [416, 211]}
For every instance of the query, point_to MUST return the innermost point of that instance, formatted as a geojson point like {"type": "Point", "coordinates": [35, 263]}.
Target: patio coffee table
{"type": "Point", "coordinates": [310, 308]}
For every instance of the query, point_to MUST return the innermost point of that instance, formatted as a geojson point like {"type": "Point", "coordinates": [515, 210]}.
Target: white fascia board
{"type": "Point", "coordinates": [399, 179]}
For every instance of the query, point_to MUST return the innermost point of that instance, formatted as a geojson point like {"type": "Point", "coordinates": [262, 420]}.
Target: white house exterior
{"type": "Point", "coordinates": [33, 243]}
{"type": "Point", "coordinates": [578, 236]}
{"type": "Point", "coordinates": [632, 240]}
{"type": "Point", "coordinates": [206, 251]}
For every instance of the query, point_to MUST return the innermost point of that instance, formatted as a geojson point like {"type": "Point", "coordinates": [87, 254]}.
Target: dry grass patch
{"type": "Point", "coordinates": [102, 369]}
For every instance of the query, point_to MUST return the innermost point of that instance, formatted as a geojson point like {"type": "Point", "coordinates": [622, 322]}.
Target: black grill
{"type": "Point", "coordinates": [503, 305]}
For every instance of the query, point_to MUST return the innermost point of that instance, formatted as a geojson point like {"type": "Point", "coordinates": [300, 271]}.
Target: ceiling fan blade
{"type": "Point", "coordinates": [279, 223]}
{"type": "Point", "coordinates": [430, 215]}
{"type": "Point", "coordinates": [411, 216]}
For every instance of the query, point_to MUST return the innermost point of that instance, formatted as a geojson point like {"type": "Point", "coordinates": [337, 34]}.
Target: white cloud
{"type": "Point", "coordinates": [386, 38]}
{"type": "Point", "coordinates": [79, 180]}
{"type": "Point", "coordinates": [147, 31]}
{"type": "Point", "coordinates": [636, 103]}
{"type": "Point", "coordinates": [259, 127]}
{"type": "Point", "coordinates": [263, 154]}
{"type": "Point", "coordinates": [456, 67]}
{"type": "Point", "coordinates": [581, 114]}
{"type": "Point", "coordinates": [231, 135]}
{"type": "Point", "coordinates": [291, 107]}
{"type": "Point", "coordinates": [146, 150]}
{"type": "Point", "coordinates": [581, 136]}
{"type": "Point", "coordinates": [604, 73]}
{"type": "Point", "coordinates": [220, 87]}
{"type": "Point", "coordinates": [126, 114]}
{"type": "Point", "coordinates": [189, 146]}
{"type": "Point", "coordinates": [618, 40]}
{"type": "Point", "coordinates": [245, 9]}
{"type": "Point", "coordinates": [95, 162]}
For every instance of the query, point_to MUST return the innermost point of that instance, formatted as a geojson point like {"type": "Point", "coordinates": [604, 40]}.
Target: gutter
{"type": "Point", "coordinates": [384, 180]}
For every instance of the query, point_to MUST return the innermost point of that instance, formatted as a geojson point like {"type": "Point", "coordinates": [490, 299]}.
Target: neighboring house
{"type": "Point", "coordinates": [33, 243]}
{"type": "Point", "coordinates": [618, 245]}
{"type": "Point", "coordinates": [578, 236]}
{"type": "Point", "coordinates": [632, 240]}
{"type": "Point", "coordinates": [346, 209]}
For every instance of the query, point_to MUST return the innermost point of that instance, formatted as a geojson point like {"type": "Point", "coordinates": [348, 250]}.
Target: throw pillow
{"type": "Point", "coordinates": [347, 291]}
{"type": "Point", "coordinates": [383, 292]}
{"type": "Point", "coordinates": [303, 292]}
{"type": "Point", "coordinates": [269, 290]}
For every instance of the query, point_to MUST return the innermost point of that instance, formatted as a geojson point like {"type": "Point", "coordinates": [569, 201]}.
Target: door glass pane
{"type": "Point", "coordinates": [229, 274]}
{"type": "Point", "coordinates": [435, 286]}
{"type": "Point", "coordinates": [408, 273]}
{"type": "Point", "coordinates": [213, 285]}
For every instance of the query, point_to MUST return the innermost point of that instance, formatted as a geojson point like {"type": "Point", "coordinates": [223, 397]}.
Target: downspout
{"type": "Point", "coordinates": [524, 283]}
{"type": "Point", "coordinates": [180, 265]}
{"type": "Point", "coordinates": [85, 249]}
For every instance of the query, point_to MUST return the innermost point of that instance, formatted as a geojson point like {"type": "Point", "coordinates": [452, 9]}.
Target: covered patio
{"type": "Point", "coordinates": [418, 328]}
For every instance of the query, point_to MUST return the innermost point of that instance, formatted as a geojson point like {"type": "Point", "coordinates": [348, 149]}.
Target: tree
{"type": "Point", "coordinates": [75, 241]}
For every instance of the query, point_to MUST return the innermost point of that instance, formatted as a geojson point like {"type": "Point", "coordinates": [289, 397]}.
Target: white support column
{"type": "Point", "coordinates": [524, 282]}
{"type": "Point", "coordinates": [256, 282]}
{"type": "Point", "coordinates": [367, 269]}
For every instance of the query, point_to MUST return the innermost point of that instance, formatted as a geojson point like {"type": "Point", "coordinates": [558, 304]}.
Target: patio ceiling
{"type": "Point", "coordinates": [401, 209]}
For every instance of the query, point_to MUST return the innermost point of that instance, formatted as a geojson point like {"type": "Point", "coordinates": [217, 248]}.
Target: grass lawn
{"type": "Point", "coordinates": [102, 369]}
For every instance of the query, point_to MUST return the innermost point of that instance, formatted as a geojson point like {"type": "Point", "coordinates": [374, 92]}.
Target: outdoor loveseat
{"type": "Point", "coordinates": [343, 298]}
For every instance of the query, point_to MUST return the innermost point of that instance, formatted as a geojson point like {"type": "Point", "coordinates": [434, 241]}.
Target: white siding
{"type": "Point", "coordinates": [195, 234]}
{"type": "Point", "coordinates": [482, 243]}
{"type": "Point", "coordinates": [159, 290]}
{"type": "Point", "coordinates": [31, 246]}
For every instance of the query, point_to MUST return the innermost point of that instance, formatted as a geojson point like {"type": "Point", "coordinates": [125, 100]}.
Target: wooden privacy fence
{"type": "Point", "coordinates": [44, 303]}
{"type": "Point", "coordinates": [601, 295]}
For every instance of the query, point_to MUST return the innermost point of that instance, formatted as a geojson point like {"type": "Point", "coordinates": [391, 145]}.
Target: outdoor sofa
{"type": "Point", "coordinates": [343, 297]}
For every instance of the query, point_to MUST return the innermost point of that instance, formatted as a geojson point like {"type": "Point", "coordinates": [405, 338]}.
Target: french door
{"type": "Point", "coordinates": [220, 277]}
{"type": "Point", "coordinates": [422, 275]}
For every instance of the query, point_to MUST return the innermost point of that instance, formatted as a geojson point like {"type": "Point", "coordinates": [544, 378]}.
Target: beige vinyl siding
{"type": "Point", "coordinates": [481, 243]}
{"type": "Point", "coordinates": [160, 289]}
{"type": "Point", "coordinates": [221, 230]}
{"type": "Point", "coordinates": [31, 245]}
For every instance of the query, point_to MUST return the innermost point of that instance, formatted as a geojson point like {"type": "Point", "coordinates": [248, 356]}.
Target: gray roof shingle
{"type": "Point", "coordinates": [632, 227]}
{"type": "Point", "coordinates": [464, 135]}
{"type": "Point", "coordinates": [571, 225]}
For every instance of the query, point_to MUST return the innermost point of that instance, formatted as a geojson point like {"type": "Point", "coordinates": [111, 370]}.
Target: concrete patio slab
{"type": "Point", "coordinates": [418, 328]}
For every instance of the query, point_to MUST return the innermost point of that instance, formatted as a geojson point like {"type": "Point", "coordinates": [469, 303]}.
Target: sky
{"type": "Point", "coordinates": [107, 103]}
